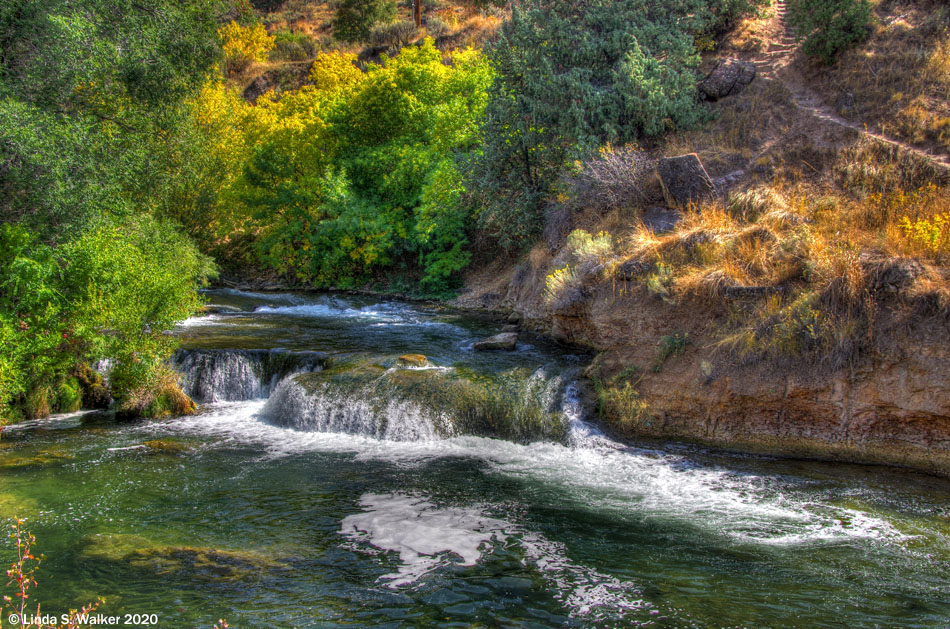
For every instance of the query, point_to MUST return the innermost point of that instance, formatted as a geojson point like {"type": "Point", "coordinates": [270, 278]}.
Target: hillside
{"type": "Point", "coordinates": [803, 304]}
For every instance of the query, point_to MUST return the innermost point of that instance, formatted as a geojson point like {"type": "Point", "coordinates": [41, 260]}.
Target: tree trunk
{"type": "Point", "coordinates": [417, 12]}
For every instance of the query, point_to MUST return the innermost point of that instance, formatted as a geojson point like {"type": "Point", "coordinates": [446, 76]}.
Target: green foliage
{"type": "Point", "coordinates": [660, 282]}
{"type": "Point", "coordinates": [108, 294]}
{"type": "Point", "coordinates": [670, 345]}
{"type": "Point", "coordinates": [572, 77]}
{"type": "Point", "coordinates": [361, 171]}
{"type": "Point", "coordinates": [293, 46]}
{"type": "Point", "coordinates": [933, 233]}
{"type": "Point", "coordinates": [393, 36]}
{"type": "Point", "coordinates": [586, 247]}
{"type": "Point", "coordinates": [619, 401]}
{"type": "Point", "coordinates": [244, 44]}
{"type": "Point", "coordinates": [89, 92]}
{"type": "Point", "coordinates": [355, 19]}
{"type": "Point", "coordinates": [830, 26]}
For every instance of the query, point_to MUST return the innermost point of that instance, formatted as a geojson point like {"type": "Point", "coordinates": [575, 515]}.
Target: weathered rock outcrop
{"type": "Point", "coordinates": [684, 179]}
{"type": "Point", "coordinates": [891, 406]}
{"type": "Point", "coordinates": [727, 78]}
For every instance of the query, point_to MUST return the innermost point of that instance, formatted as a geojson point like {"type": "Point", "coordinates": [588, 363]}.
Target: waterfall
{"type": "Point", "coordinates": [324, 409]}
{"type": "Point", "coordinates": [420, 405]}
{"type": "Point", "coordinates": [238, 375]}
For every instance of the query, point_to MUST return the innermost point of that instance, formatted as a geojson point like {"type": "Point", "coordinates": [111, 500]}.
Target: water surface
{"type": "Point", "coordinates": [272, 525]}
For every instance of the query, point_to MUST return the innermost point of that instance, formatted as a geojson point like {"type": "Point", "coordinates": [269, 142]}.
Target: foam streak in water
{"type": "Point", "coordinates": [745, 508]}
{"type": "Point", "coordinates": [427, 537]}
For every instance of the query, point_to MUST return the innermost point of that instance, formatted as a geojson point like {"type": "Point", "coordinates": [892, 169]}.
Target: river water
{"type": "Point", "coordinates": [326, 483]}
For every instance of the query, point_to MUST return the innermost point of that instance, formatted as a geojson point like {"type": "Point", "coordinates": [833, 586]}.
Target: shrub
{"type": "Point", "coordinates": [749, 205]}
{"type": "Point", "coordinates": [670, 345]}
{"type": "Point", "coordinates": [932, 233]}
{"type": "Point", "coordinates": [22, 575]}
{"type": "Point", "coordinates": [393, 36]}
{"type": "Point", "coordinates": [291, 46]}
{"type": "Point", "coordinates": [572, 77]}
{"type": "Point", "coordinates": [587, 248]}
{"type": "Point", "coordinates": [355, 19]}
{"type": "Point", "coordinates": [559, 281]}
{"type": "Point", "coordinates": [110, 293]}
{"type": "Point", "coordinates": [437, 27]}
{"type": "Point", "coordinates": [613, 178]}
{"type": "Point", "coordinates": [244, 44]}
{"type": "Point", "coordinates": [830, 26]}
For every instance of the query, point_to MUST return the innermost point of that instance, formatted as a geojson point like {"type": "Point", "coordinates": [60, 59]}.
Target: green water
{"type": "Point", "coordinates": [270, 526]}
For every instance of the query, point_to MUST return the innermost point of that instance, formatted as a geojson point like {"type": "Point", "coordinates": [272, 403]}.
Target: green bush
{"type": "Point", "coordinates": [830, 26]}
{"type": "Point", "coordinates": [291, 46]}
{"type": "Point", "coordinates": [355, 19]}
{"type": "Point", "coordinates": [572, 77]}
{"type": "Point", "coordinates": [110, 293]}
{"type": "Point", "coordinates": [393, 36]}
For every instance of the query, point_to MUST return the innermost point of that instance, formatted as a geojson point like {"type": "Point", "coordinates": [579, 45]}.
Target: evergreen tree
{"type": "Point", "coordinates": [573, 75]}
{"type": "Point", "coordinates": [356, 18]}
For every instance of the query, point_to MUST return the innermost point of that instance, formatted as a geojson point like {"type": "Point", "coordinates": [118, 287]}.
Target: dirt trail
{"type": "Point", "coordinates": [777, 64]}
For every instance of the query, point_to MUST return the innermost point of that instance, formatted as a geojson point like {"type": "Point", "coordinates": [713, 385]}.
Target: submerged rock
{"type": "Point", "coordinates": [43, 458]}
{"type": "Point", "coordinates": [168, 445]}
{"type": "Point", "coordinates": [182, 561]}
{"type": "Point", "coordinates": [412, 360]}
{"type": "Point", "coordinates": [505, 341]}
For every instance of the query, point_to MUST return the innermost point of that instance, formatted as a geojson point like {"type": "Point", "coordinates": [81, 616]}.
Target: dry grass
{"type": "Point", "coordinates": [744, 127]}
{"type": "Point", "coordinates": [750, 35]}
{"type": "Point", "coordinates": [899, 81]}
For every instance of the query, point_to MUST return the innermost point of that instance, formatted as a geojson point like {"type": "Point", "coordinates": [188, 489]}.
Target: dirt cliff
{"type": "Point", "coordinates": [888, 405]}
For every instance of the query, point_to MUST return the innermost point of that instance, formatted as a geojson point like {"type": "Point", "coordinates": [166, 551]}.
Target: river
{"type": "Point", "coordinates": [325, 482]}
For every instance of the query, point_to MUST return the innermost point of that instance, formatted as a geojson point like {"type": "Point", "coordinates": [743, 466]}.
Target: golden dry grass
{"type": "Point", "coordinates": [898, 81]}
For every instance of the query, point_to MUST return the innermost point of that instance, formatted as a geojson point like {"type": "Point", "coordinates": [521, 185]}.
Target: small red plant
{"type": "Point", "coordinates": [22, 575]}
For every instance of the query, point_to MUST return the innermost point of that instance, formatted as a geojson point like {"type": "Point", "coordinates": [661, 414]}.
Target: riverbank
{"type": "Point", "coordinates": [889, 407]}
{"type": "Point", "coordinates": [661, 374]}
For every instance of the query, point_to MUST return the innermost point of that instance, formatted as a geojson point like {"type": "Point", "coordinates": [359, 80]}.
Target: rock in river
{"type": "Point", "coordinates": [504, 341]}
{"type": "Point", "coordinates": [412, 360]}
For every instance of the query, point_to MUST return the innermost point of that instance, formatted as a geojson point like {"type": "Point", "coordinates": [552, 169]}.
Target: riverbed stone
{"type": "Point", "coordinates": [505, 341]}
{"type": "Point", "coordinates": [412, 360]}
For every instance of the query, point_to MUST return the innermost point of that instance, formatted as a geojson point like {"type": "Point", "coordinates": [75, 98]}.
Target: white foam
{"type": "Point", "coordinates": [597, 472]}
{"type": "Point", "coordinates": [420, 533]}
{"type": "Point", "coordinates": [427, 537]}
{"type": "Point", "coordinates": [202, 320]}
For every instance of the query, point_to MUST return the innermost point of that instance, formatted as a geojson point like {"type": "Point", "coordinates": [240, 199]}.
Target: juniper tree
{"type": "Point", "coordinates": [574, 75]}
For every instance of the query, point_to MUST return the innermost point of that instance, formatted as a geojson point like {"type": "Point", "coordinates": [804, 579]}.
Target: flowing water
{"type": "Point", "coordinates": [327, 483]}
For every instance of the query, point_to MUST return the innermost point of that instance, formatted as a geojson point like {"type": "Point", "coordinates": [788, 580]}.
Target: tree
{"type": "Point", "coordinates": [356, 18]}
{"type": "Point", "coordinates": [89, 90]}
{"type": "Point", "coordinates": [92, 101]}
{"type": "Point", "coordinates": [572, 76]}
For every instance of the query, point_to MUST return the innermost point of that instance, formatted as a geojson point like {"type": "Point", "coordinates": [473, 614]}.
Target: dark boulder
{"type": "Point", "coordinates": [685, 179]}
{"type": "Point", "coordinates": [727, 78]}
{"type": "Point", "coordinates": [660, 219]}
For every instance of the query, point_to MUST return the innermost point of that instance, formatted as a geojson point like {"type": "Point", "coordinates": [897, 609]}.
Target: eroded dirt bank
{"type": "Point", "coordinates": [889, 405]}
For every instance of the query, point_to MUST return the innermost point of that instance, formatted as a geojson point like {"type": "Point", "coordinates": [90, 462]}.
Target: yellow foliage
{"type": "Point", "coordinates": [335, 70]}
{"type": "Point", "coordinates": [244, 44]}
